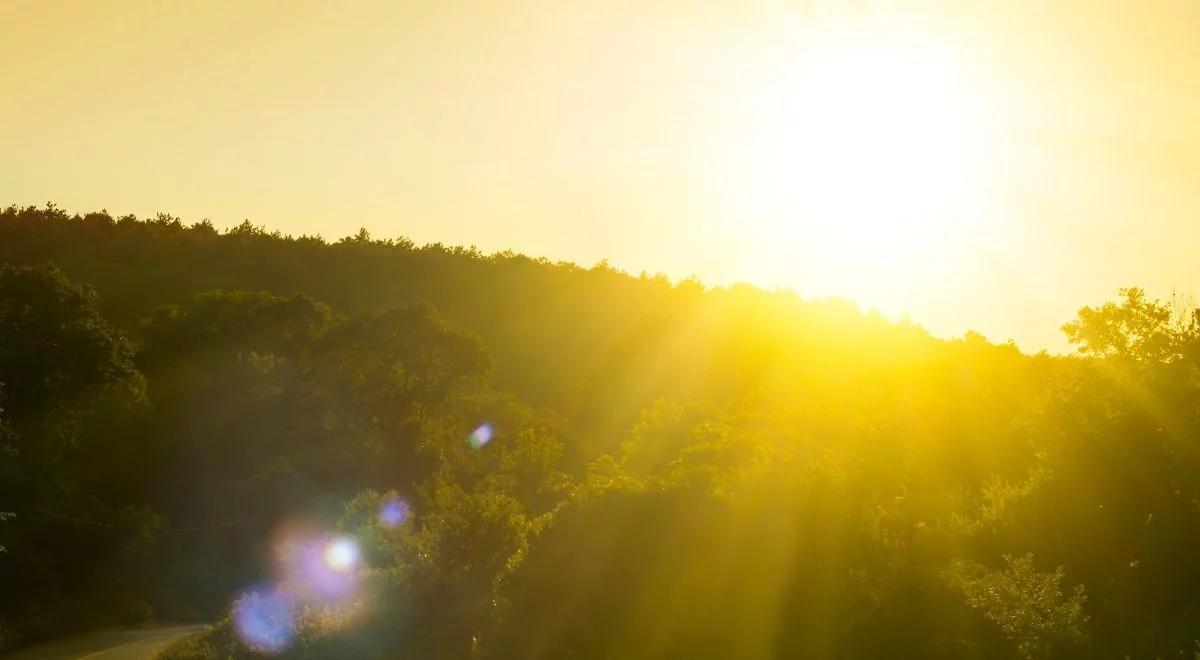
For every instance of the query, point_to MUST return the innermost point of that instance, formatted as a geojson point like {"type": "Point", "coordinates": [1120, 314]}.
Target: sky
{"type": "Point", "coordinates": [972, 165]}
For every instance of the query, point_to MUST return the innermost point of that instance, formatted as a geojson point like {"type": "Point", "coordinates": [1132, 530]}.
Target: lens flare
{"type": "Point", "coordinates": [480, 436]}
{"type": "Point", "coordinates": [393, 512]}
{"type": "Point", "coordinates": [264, 619]}
{"type": "Point", "coordinates": [317, 566]}
{"type": "Point", "coordinates": [341, 554]}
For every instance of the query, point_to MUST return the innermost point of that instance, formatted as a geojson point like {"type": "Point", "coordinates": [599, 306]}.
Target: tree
{"type": "Point", "coordinates": [7, 452]}
{"type": "Point", "coordinates": [61, 362]}
{"type": "Point", "coordinates": [1137, 329]}
{"type": "Point", "coordinates": [55, 347]}
{"type": "Point", "coordinates": [1027, 605]}
{"type": "Point", "coordinates": [67, 375]}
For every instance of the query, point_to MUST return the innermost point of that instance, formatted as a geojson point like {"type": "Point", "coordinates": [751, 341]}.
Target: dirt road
{"type": "Point", "coordinates": [138, 644]}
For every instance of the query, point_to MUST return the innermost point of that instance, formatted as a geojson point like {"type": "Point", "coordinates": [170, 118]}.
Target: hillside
{"type": "Point", "coordinates": [496, 456]}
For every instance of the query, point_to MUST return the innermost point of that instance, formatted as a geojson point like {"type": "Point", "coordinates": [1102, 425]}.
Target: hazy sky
{"type": "Point", "coordinates": [653, 134]}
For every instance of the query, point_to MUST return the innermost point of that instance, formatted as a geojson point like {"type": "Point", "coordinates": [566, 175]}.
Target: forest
{"type": "Point", "coordinates": [495, 456]}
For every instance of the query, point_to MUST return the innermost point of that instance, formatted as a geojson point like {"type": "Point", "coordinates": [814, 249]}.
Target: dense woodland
{"type": "Point", "coordinates": [676, 471]}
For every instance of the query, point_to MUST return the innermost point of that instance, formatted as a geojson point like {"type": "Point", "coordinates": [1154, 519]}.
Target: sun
{"type": "Point", "coordinates": [865, 161]}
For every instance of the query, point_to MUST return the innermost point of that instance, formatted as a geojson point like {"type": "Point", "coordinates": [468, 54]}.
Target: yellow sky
{"type": "Point", "coordinates": [653, 134]}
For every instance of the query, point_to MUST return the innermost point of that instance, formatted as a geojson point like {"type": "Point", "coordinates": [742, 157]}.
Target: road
{"type": "Point", "coordinates": [139, 644]}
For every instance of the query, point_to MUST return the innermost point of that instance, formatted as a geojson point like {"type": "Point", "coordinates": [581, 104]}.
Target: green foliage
{"type": "Point", "coordinates": [675, 471]}
{"type": "Point", "coordinates": [67, 375]}
{"type": "Point", "coordinates": [198, 646]}
{"type": "Point", "coordinates": [1029, 606]}
{"type": "Point", "coordinates": [55, 347]}
{"type": "Point", "coordinates": [1137, 329]}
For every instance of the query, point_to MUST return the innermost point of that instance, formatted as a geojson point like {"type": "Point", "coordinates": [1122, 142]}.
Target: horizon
{"type": "Point", "coordinates": [903, 318]}
{"type": "Point", "coordinates": [976, 155]}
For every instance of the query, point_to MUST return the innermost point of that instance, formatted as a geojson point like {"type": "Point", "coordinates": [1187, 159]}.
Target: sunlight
{"type": "Point", "coordinates": [341, 554]}
{"type": "Point", "coordinates": [868, 148]}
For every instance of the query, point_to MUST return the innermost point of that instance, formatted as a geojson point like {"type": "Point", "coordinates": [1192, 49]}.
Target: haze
{"type": "Point", "coordinates": [661, 136]}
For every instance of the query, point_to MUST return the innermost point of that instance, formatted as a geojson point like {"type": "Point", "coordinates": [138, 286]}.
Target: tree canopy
{"type": "Point", "coordinates": [526, 459]}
